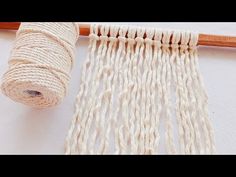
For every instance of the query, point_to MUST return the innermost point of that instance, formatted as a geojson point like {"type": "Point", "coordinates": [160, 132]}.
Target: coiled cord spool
{"type": "Point", "coordinates": [40, 63]}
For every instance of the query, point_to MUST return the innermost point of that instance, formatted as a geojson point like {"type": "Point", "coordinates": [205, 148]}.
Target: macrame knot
{"type": "Point", "coordinates": [184, 46]}
{"type": "Point", "coordinates": [122, 39]}
{"type": "Point", "coordinates": [139, 39]}
{"type": "Point", "coordinates": [193, 41]}
{"type": "Point", "coordinates": [131, 41]}
{"type": "Point", "coordinates": [104, 30]}
{"type": "Point", "coordinates": [94, 29]}
{"type": "Point", "coordinates": [158, 35]}
{"type": "Point", "coordinates": [174, 46]}
{"type": "Point", "coordinates": [165, 46]}
{"type": "Point", "coordinates": [157, 43]}
{"type": "Point", "coordinates": [148, 41]}
{"type": "Point", "coordinates": [131, 33]}
{"type": "Point", "coordinates": [94, 36]}
{"type": "Point", "coordinates": [176, 37]}
{"type": "Point", "coordinates": [104, 38]}
{"type": "Point", "coordinates": [114, 31]}
{"type": "Point", "coordinates": [113, 39]}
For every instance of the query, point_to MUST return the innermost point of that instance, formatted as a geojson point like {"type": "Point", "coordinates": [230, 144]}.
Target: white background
{"type": "Point", "coordinates": [26, 130]}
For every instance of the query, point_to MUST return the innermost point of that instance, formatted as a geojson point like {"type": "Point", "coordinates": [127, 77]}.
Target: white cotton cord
{"type": "Point", "coordinates": [85, 120]}
{"type": "Point", "coordinates": [200, 113]}
{"type": "Point", "coordinates": [202, 99]}
{"type": "Point", "coordinates": [198, 104]}
{"type": "Point", "coordinates": [152, 89]}
{"type": "Point", "coordinates": [98, 83]}
{"type": "Point", "coordinates": [86, 124]}
{"type": "Point", "coordinates": [196, 144]}
{"type": "Point", "coordinates": [105, 93]}
{"type": "Point", "coordinates": [183, 108]}
{"type": "Point", "coordinates": [130, 118]}
{"type": "Point", "coordinates": [122, 89]}
{"type": "Point", "coordinates": [149, 116]}
{"type": "Point", "coordinates": [40, 64]}
{"type": "Point", "coordinates": [91, 92]}
{"type": "Point", "coordinates": [126, 91]}
{"type": "Point", "coordinates": [176, 36]}
{"type": "Point", "coordinates": [133, 67]}
{"type": "Point", "coordinates": [115, 88]}
{"type": "Point", "coordinates": [165, 82]}
{"type": "Point", "coordinates": [89, 127]}
{"type": "Point", "coordinates": [127, 110]}
{"type": "Point", "coordinates": [110, 59]}
{"type": "Point", "coordinates": [124, 128]}
{"type": "Point", "coordinates": [157, 55]}
{"type": "Point", "coordinates": [143, 102]}
{"type": "Point", "coordinates": [71, 140]}
{"type": "Point", "coordinates": [143, 91]}
{"type": "Point", "coordinates": [180, 97]}
{"type": "Point", "coordinates": [185, 37]}
{"type": "Point", "coordinates": [139, 134]}
{"type": "Point", "coordinates": [108, 76]}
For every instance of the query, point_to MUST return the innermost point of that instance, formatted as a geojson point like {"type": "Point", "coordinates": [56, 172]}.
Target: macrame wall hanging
{"type": "Point", "coordinates": [136, 83]}
{"type": "Point", "coordinates": [130, 83]}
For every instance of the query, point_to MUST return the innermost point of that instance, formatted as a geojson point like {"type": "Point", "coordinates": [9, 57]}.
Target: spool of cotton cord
{"type": "Point", "coordinates": [40, 63]}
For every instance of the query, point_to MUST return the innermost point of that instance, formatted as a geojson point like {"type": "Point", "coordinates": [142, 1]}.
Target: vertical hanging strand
{"type": "Point", "coordinates": [123, 92]}
{"type": "Point", "coordinates": [196, 144]}
{"type": "Point", "coordinates": [165, 82]}
{"type": "Point", "coordinates": [110, 83]}
{"type": "Point", "coordinates": [149, 116]}
{"type": "Point", "coordinates": [202, 99]}
{"type": "Point", "coordinates": [134, 74]}
{"type": "Point", "coordinates": [139, 134]}
{"type": "Point", "coordinates": [119, 142]}
{"type": "Point", "coordinates": [143, 103]}
{"type": "Point", "coordinates": [84, 123]}
{"type": "Point", "coordinates": [81, 146]}
{"type": "Point", "coordinates": [109, 73]}
{"type": "Point", "coordinates": [99, 87]}
{"type": "Point", "coordinates": [132, 86]}
{"type": "Point", "coordinates": [105, 93]}
{"type": "Point", "coordinates": [180, 101]}
{"type": "Point", "coordinates": [128, 111]}
{"type": "Point", "coordinates": [152, 91]}
{"type": "Point", "coordinates": [174, 56]}
{"type": "Point", "coordinates": [158, 104]}
{"type": "Point", "coordinates": [124, 132]}
{"type": "Point", "coordinates": [186, 106]}
{"type": "Point", "coordinates": [114, 101]}
{"type": "Point", "coordinates": [90, 110]}
{"type": "Point", "coordinates": [71, 138]}
{"type": "Point", "coordinates": [88, 100]}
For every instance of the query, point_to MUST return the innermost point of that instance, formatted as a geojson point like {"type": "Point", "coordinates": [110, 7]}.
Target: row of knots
{"type": "Point", "coordinates": [183, 40]}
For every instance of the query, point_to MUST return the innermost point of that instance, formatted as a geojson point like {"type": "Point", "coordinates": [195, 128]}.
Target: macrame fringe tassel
{"type": "Point", "coordinates": [130, 84]}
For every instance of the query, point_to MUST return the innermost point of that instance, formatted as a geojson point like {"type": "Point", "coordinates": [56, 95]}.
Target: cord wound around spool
{"type": "Point", "coordinates": [40, 64]}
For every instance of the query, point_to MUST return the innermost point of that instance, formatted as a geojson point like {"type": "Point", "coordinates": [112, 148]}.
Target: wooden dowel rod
{"type": "Point", "coordinates": [204, 39]}
{"type": "Point", "coordinates": [9, 25]}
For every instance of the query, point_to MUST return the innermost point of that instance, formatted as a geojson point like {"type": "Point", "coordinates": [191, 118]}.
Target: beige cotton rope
{"type": "Point", "coordinates": [40, 63]}
{"type": "Point", "coordinates": [133, 84]}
